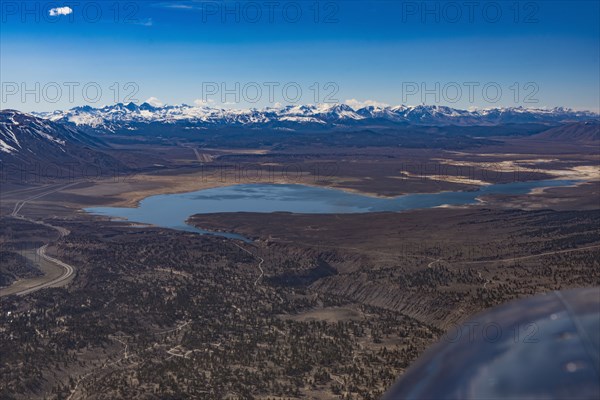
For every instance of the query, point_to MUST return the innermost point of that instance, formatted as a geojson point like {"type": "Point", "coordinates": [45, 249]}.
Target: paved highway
{"type": "Point", "coordinates": [68, 270]}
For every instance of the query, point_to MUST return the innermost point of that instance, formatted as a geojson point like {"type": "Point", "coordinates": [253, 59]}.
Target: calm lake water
{"type": "Point", "coordinates": [172, 210]}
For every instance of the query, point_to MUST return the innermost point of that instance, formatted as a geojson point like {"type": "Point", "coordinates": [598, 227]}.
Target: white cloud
{"type": "Point", "coordinates": [203, 103]}
{"type": "Point", "coordinates": [154, 102]}
{"type": "Point", "coordinates": [145, 22]}
{"type": "Point", "coordinates": [356, 104]}
{"type": "Point", "coordinates": [181, 5]}
{"type": "Point", "coordinates": [60, 11]}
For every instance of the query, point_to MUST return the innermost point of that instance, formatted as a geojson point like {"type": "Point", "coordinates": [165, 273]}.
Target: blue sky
{"type": "Point", "coordinates": [265, 53]}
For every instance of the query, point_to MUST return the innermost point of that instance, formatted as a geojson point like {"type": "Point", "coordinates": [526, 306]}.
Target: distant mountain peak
{"type": "Point", "coordinates": [132, 106]}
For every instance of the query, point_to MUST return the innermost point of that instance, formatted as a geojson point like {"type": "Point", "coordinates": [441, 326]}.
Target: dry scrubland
{"type": "Point", "coordinates": [322, 306]}
{"type": "Point", "coordinates": [327, 306]}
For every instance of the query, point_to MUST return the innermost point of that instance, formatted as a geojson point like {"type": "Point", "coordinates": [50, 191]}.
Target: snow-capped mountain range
{"type": "Point", "coordinates": [76, 136]}
{"type": "Point", "coordinates": [132, 116]}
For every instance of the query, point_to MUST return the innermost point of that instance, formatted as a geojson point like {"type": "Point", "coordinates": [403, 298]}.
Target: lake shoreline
{"type": "Point", "coordinates": [174, 210]}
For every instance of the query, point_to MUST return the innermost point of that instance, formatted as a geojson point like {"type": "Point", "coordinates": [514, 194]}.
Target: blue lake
{"type": "Point", "coordinates": [172, 210]}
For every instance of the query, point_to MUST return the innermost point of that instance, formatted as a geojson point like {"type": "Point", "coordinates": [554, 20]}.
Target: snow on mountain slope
{"type": "Point", "coordinates": [17, 130]}
{"type": "Point", "coordinates": [29, 140]}
{"type": "Point", "coordinates": [121, 116]}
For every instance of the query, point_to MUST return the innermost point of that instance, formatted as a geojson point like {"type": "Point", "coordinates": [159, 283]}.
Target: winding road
{"type": "Point", "coordinates": [260, 263]}
{"type": "Point", "coordinates": [32, 285]}
{"type": "Point", "coordinates": [68, 272]}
